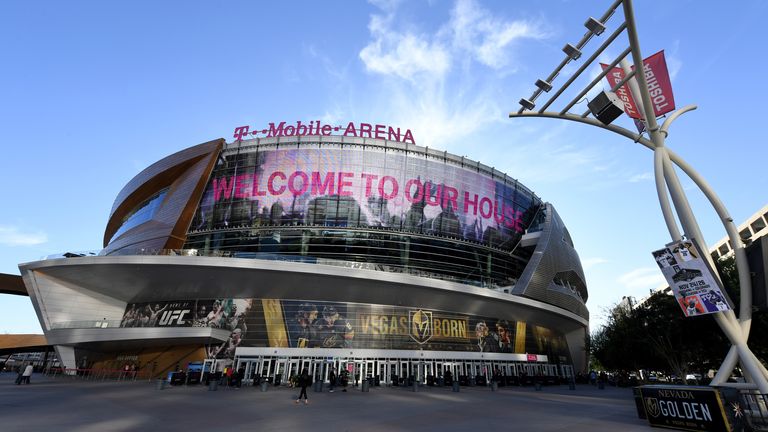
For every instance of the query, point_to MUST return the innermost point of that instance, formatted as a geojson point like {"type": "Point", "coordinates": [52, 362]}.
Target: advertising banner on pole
{"type": "Point", "coordinates": [659, 86]}
{"type": "Point", "coordinates": [694, 286]}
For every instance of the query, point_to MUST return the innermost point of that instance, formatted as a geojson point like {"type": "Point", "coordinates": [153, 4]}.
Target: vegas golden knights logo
{"type": "Point", "coordinates": [420, 325]}
{"type": "Point", "coordinates": [652, 406]}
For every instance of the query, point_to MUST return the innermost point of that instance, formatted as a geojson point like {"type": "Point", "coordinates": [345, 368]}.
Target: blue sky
{"type": "Point", "coordinates": [92, 92]}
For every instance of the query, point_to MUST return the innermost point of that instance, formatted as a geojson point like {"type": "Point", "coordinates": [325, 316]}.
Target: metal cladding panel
{"type": "Point", "coordinates": [184, 174]}
{"type": "Point", "coordinates": [152, 278]}
{"type": "Point", "coordinates": [553, 255]}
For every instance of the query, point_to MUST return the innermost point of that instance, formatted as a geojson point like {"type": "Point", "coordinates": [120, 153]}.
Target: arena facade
{"type": "Point", "coordinates": [331, 252]}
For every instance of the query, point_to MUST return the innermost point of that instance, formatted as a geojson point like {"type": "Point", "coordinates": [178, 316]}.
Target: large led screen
{"type": "Point", "coordinates": [316, 324]}
{"type": "Point", "coordinates": [363, 188]}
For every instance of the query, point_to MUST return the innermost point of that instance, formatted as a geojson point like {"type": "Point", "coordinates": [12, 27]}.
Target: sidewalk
{"type": "Point", "coordinates": [126, 406]}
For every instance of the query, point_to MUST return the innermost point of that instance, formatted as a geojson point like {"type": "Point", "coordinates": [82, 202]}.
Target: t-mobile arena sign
{"type": "Point", "coordinates": [363, 130]}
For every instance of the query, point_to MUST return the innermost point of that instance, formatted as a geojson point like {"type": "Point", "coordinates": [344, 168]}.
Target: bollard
{"type": "Point", "coordinates": [264, 386]}
{"type": "Point", "coordinates": [537, 385]}
{"type": "Point", "coordinates": [160, 385]}
{"type": "Point", "coordinates": [455, 387]}
{"type": "Point", "coordinates": [601, 385]}
{"type": "Point", "coordinates": [415, 386]}
{"type": "Point", "coordinates": [571, 385]}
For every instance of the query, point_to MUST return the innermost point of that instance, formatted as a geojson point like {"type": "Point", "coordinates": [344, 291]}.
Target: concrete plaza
{"type": "Point", "coordinates": [71, 405]}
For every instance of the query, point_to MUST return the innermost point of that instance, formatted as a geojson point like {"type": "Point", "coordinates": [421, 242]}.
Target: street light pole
{"type": "Point", "coordinates": [667, 182]}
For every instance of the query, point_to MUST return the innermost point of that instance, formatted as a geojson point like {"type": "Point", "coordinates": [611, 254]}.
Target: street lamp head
{"type": "Point", "coordinates": [595, 26]}
{"type": "Point", "coordinates": [606, 107]}
{"type": "Point", "coordinates": [571, 51]}
{"type": "Point", "coordinates": [543, 85]}
{"type": "Point", "coordinates": [526, 104]}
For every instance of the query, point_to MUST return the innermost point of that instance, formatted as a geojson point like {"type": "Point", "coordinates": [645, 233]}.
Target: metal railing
{"type": "Point", "coordinates": [97, 374]}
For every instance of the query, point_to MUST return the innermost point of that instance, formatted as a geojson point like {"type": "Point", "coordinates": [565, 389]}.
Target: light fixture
{"type": "Point", "coordinates": [543, 85]}
{"type": "Point", "coordinates": [595, 26]}
{"type": "Point", "coordinates": [571, 51]}
{"type": "Point", "coordinates": [527, 104]}
{"type": "Point", "coordinates": [606, 107]}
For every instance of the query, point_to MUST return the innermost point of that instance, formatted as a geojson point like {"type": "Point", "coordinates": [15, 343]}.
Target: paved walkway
{"type": "Point", "coordinates": [64, 405]}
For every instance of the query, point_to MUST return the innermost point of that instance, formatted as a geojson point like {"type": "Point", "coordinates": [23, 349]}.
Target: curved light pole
{"type": "Point", "coordinates": [667, 183]}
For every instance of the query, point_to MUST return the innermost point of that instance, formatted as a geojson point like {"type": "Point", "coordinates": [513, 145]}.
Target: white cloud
{"type": "Point", "coordinates": [402, 54]}
{"type": "Point", "coordinates": [641, 279]}
{"type": "Point", "coordinates": [486, 37]}
{"type": "Point", "coordinates": [641, 177]}
{"type": "Point", "coordinates": [13, 236]}
{"type": "Point", "coordinates": [422, 86]}
{"type": "Point", "coordinates": [588, 263]}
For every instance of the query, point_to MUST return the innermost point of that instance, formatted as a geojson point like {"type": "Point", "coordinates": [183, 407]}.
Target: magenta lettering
{"type": "Point", "coordinates": [315, 127]}
{"type": "Point", "coordinates": [343, 184]}
{"type": "Point", "coordinates": [365, 128]}
{"type": "Point", "coordinates": [467, 203]}
{"type": "Point", "coordinates": [449, 197]}
{"type": "Point", "coordinates": [350, 131]}
{"type": "Point", "coordinates": [416, 197]}
{"type": "Point", "coordinates": [380, 131]}
{"type": "Point", "coordinates": [292, 183]}
{"type": "Point", "coordinates": [301, 129]}
{"type": "Point", "coordinates": [273, 132]}
{"type": "Point", "coordinates": [241, 183]}
{"type": "Point", "coordinates": [222, 187]}
{"type": "Point", "coordinates": [498, 214]}
{"type": "Point", "coordinates": [382, 192]}
{"type": "Point", "coordinates": [255, 190]}
{"type": "Point", "coordinates": [325, 187]}
{"type": "Point", "coordinates": [271, 186]}
{"type": "Point", "coordinates": [438, 195]}
{"type": "Point", "coordinates": [408, 137]}
{"type": "Point", "coordinates": [483, 212]}
{"type": "Point", "coordinates": [369, 178]}
{"type": "Point", "coordinates": [392, 135]}
{"type": "Point", "coordinates": [240, 131]}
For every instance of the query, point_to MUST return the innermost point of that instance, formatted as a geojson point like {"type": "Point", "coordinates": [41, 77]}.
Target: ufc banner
{"type": "Point", "coordinates": [659, 86]}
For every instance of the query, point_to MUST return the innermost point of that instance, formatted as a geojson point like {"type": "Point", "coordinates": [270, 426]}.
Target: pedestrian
{"type": "Point", "coordinates": [19, 375]}
{"type": "Point", "coordinates": [27, 373]}
{"type": "Point", "coordinates": [331, 381]}
{"type": "Point", "coordinates": [303, 383]}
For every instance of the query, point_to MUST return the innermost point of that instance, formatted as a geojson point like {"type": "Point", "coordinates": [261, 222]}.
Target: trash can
{"type": "Point", "coordinates": [571, 385]}
{"type": "Point", "coordinates": [537, 386]}
{"type": "Point", "coordinates": [213, 385]}
{"type": "Point", "coordinates": [415, 387]}
{"type": "Point", "coordinates": [264, 386]}
{"type": "Point", "coordinates": [318, 386]}
{"type": "Point", "coordinates": [440, 381]}
{"type": "Point", "coordinates": [472, 382]}
{"type": "Point", "coordinates": [455, 387]}
{"type": "Point", "coordinates": [494, 386]}
{"type": "Point", "coordinates": [160, 384]}
{"type": "Point", "coordinates": [601, 385]}
{"type": "Point", "coordinates": [366, 386]}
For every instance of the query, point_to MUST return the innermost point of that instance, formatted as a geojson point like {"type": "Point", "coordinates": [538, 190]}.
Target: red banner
{"type": "Point", "coordinates": [659, 86]}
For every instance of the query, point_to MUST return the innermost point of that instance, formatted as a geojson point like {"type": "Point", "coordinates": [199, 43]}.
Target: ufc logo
{"type": "Point", "coordinates": [177, 315]}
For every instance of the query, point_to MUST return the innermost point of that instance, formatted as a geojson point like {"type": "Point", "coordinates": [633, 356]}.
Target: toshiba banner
{"type": "Point", "coordinates": [659, 86]}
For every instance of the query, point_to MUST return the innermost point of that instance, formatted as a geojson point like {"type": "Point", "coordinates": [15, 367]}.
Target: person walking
{"type": "Point", "coordinates": [27, 373]}
{"type": "Point", "coordinates": [331, 381]}
{"type": "Point", "coordinates": [303, 383]}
